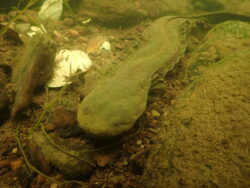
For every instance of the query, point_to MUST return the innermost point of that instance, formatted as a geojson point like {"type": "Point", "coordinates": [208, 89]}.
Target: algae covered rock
{"type": "Point", "coordinates": [222, 40]}
{"type": "Point", "coordinates": [205, 139]}
{"type": "Point", "coordinates": [79, 163]}
{"type": "Point", "coordinates": [114, 105]}
{"type": "Point", "coordinates": [124, 12]}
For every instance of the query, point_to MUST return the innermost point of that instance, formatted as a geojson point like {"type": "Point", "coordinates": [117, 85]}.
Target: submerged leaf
{"type": "Point", "coordinates": [34, 69]}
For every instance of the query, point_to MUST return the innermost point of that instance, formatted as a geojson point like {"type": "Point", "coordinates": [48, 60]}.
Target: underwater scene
{"type": "Point", "coordinates": [124, 93]}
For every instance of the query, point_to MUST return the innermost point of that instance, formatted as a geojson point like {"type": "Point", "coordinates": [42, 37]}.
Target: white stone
{"type": "Point", "coordinates": [106, 46]}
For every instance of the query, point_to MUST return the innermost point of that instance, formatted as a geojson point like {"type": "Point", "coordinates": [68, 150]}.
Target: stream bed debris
{"type": "Point", "coordinates": [194, 110]}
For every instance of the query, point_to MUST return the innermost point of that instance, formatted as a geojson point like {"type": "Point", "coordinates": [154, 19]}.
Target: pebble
{"type": "Point", "coordinates": [152, 130]}
{"type": "Point", "coordinates": [68, 22]}
{"type": "Point", "coordinates": [106, 46]}
{"type": "Point", "coordinates": [14, 150]}
{"type": "Point", "coordinates": [82, 39]}
{"type": "Point", "coordinates": [49, 127]}
{"type": "Point", "coordinates": [14, 165]}
{"type": "Point", "coordinates": [40, 179]}
{"type": "Point", "coordinates": [125, 163]}
{"type": "Point", "coordinates": [119, 46]}
{"type": "Point", "coordinates": [155, 113]}
{"type": "Point", "coordinates": [82, 30]}
{"type": "Point", "coordinates": [95, 43]}
{"type": "Point", "coordinates": [73, 33]}
{"type": "Point", "coordinates": [102, 160]}
{"type": "Point", "coordinates": [139, 142]}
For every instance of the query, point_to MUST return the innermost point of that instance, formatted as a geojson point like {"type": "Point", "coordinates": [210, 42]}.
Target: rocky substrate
{"type": "Point", "coordinates": [206, 132]}
{"type": "Point", "coordinates": [182, 119]}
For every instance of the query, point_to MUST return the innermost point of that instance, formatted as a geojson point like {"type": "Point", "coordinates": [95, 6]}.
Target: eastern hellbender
{"type": "Point", "coordinates": [115, 104]}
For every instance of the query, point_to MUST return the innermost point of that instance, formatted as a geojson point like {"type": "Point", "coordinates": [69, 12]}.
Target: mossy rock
{"type": "Point", "coordinates": [205, 139]}
{"type": "Point", "coordinates": [43, 154]}
{"type": "Point", "coordinates": [126, 13]}
{"type": "Point", "coordinates": [225, 38]}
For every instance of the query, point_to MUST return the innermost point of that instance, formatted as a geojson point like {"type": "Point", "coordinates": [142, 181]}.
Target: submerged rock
{"type": "Point", "coordinates": [43, 153]}
{"type": "Point", "coordinates": [125, 13]}
{"type": "Point", "coordinates": [155, 113]}
{"type": "Point", "coordinates": [205, 140]}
